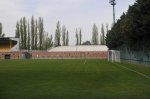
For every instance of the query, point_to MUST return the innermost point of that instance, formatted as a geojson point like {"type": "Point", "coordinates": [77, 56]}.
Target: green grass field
{"type": "Point", "coordinates": [72, 79]}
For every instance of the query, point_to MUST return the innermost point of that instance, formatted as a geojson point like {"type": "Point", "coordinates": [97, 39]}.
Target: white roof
{"type": "Point", "coordinates": [79, 48]}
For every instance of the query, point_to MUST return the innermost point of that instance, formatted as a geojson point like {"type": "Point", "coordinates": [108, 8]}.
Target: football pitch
{"type": "Point", "coordinates": [73, 79]}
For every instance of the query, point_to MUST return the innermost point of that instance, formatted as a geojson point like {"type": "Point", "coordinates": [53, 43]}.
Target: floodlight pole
{"type": "Point", "coordinates": [114, 13]}
{"type": "Point", "coordinates": [113, 3]}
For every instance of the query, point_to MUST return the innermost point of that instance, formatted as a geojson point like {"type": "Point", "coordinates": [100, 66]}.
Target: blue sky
{"type": "Point", "coordinates": [72, 13]}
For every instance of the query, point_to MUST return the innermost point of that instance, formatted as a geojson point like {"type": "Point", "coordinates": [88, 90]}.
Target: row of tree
{"type": "Point", "coordinates": [132, 29]}
{"type": "Point", "coordinates": [95, 38]}
{"type": "Point", "coordinates": [58, 36]}
{"type": "Point", "coordinates": [32, 34]}
{"type": "Point", "coordinates": [64, 34]}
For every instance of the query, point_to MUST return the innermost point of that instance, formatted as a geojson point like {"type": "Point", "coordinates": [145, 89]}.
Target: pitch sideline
{"type": "Point", "coordinates": [133, 70]}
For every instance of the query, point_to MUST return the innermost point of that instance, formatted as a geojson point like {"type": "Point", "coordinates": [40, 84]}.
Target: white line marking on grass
{"type": "Point", "coordinates": [133, 71]}
{"type": "Point", "coordinates": [84, 61]}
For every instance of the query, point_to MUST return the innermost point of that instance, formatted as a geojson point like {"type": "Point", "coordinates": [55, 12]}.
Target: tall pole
{"type": "Point", "coordinates": [113, 3]}
{"type": "Point", "coordinates": [114, 14]}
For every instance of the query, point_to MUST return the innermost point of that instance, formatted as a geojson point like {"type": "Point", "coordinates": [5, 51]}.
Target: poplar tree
{"type": "Point", "coordinates": [41, 32]}
{"type": "Point", "coordinates": [95, 35]}
{"type": "Point", "coordinates": [32, 32]}
{"type": "Point", "coordinates": [32, 35]}
{"type": "Point", "coordinates": [28, 39]}
{"type": "Point", "coordinates": [36, 36]}
{"type": "Point", "coordinates": [102, 36]}
{"type": "Point", "coordinates": [77, 37]}
{"type": "Point", "coordinates": [50, 41]}
{"type": "Point", "coordinates": [24, 33]}
{"type": "Point", "coordinates": [67, 38]}
{"type": "Point", "coordinates": [17, 33]}
{"type": "Point", "coordinates": [21, 34]}
{"type": "Point", "coordinates": [80, 37]}
{"type": "Point", "coordinates": [57, 35]}
{"type": "Point", "coordinates": [63, 35]}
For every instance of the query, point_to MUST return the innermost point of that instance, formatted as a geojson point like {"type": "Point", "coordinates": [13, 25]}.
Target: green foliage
{"type": "Point", "coordinates": [114, 37]}
{"type": "Point", "coordinates": [86, 43]}
{"type": "Point", "coordinates": [50, 42]}
{"type": "Point", "coordinates": [36, 35]}
{"type": "Point", "coordinates": [17, 33]}
{"type": "Point", "coordinates": [31, 34]}
{"type": "Point", "coordinates": [57, 35]}
{"type": "Point", "coordinates": [24, 33]}
{"type": "Point", "coordinates": [41, 32]}
{"type": "Point", "coordinates": [21, 34]}
{"type": "Point", "coordinates": [77, 37]}
{"type": "Point", "coordinates": [132, 29]}
{"type": "Point", "coordinates": [102, 36]}
{"type": "Point", "coordinates": [63, 35]}
{"type": "Point", "coordinates": [47, 42]}
{"type": "Point", "coordinates": [80, 36]}
{"type": "Point", "coordinates": [28, 39]}
{"type": "Point", "coordinates": [67, 38]}
{"type": "Point", "coordinates": [95, 35]}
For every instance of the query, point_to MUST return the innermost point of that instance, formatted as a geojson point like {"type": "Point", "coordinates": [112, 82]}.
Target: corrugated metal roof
{"type": "Point", "coordinates": [79, 48]}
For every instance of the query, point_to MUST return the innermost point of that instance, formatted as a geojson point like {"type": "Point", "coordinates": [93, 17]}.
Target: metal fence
{"type": "Point", "coordinates": [136, 57]}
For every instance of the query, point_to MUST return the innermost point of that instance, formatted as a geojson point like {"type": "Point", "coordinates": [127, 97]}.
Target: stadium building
{"type": "Point", "coordinates": [9, 48]}
{"type": "Point", "coordinates": [73, 52]}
